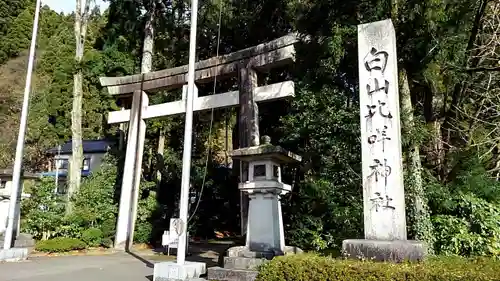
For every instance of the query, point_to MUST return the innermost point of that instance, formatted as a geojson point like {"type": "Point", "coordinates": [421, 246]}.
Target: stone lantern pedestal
{"type": "Point", "coordinates": [261, 178]}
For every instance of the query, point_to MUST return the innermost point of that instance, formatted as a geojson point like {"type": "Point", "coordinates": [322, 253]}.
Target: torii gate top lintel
{"type": "Point", "coordinates": [261, 57]}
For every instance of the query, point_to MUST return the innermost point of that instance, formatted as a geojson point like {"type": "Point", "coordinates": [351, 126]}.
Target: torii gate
{"type": "Point", "coordinates": [244, 63]}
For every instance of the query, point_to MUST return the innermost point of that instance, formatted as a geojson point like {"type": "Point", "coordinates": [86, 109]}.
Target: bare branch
{"type": "Point", "coordinates": [479, 69]}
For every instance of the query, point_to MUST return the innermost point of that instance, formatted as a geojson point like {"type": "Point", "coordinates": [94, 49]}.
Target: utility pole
{"type": "Point", "coordinates": [16, 176]}
{"type": "Point", "coordinates": [188, 131]}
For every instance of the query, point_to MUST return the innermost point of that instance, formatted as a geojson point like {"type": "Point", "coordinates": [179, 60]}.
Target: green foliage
{"type": "Point", "coordinates": [108, 231]}
{"type": "Point", "coordinates": [42, 211]}
{"type": "Point", "coordinates": [145, 211]}
{"type": "Point", "coordinates": [142, 233]}
{"type": "Point", "coordinates": [60, 244]}
{"type": "Point", "coordinates": [10, 9]}
{"type": "Point", "coordinates": [94, 216]}
{"type": "Point", "coordinates": [474, 230]}
{"type": "Point", "coordinates": [467, 211]}
{"type": "Point", "coordinates": [316, 268]}
{"type": "Point", "coordinates": [18, 37]}
{"type": "Point", "coordinates": [312, 220]}
{"type": "Point", "coordinates": [319, 127]}
{"type": "Point", "coordinates": [92, 237]}
{"type": "Point", "coordinates": [94, 203]}
{"type": "Point", "coordinates": [418, 213]}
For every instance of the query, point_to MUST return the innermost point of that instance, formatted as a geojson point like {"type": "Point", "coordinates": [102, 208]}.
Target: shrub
{"type": "Point", "coordinates": [308, 267]}
{"type": "Point", "coordinates": [92, 237]}
{"type": "Point", "coordinates": [146, 207]}
{"type": "Point", "coordinates": [43, 212]}
{"type": "Point", "coordinates": [142, 233]}
{"type": "Point", "coordinates": [108, 227]}
{"type": "Point", "coordinates": [107, 242]}
{"type": "Point", "coordinates": [473, 231]}
{"type": "Point", "coordinates": [94, 203]}
{"type": "Point", "coordinates": [466, 210]}
{"type": "Point", "coordinates": [108, 232]}
{"type": "Point", "coordinates": [60, 244]}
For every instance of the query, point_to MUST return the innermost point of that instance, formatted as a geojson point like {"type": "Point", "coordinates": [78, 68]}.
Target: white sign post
{"type": "Point", "coordinates": [170, 238]}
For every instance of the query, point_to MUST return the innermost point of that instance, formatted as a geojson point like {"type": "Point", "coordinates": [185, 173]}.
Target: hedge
{"type": "Point", "coordinates": [92, 237]}
{"type": "Point", "coordinates": [60, 244]}
{"type": "Point", "coordinates": [309, 267]}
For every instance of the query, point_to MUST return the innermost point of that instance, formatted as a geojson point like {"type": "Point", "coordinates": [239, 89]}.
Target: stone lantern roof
{"type": "Point", "coordinates": [265, 150]}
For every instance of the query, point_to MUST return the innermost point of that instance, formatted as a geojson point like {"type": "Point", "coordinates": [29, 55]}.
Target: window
{"type": "Point", "coordinates": [86, 164]}
{"type": "Point", "coordinates": [62, 164]}
{"type": "Point", "coordinates": [2, 184]}
{"type": "Point", "coordinates": [259, 171]}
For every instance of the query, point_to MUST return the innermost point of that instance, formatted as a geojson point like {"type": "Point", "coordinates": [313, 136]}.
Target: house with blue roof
{"type": "Point", "coordinates": [60, 156]}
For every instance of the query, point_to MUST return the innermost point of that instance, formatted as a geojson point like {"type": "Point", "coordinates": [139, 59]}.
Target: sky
{"type": "Point", "coordinates": [68, 6]}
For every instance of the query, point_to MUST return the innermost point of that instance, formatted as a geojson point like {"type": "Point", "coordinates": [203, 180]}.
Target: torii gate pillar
{"type": "Point", "coordinates": [248, 129]}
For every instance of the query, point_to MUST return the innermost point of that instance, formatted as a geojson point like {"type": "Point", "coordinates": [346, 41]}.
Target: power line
{"type": "Point", "coordinates": [211, 118]}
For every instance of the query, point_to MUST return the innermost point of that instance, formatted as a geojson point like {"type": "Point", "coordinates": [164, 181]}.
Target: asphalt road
{"type": "Point", "coordinates": [121, 266]}
{"type": "Point", "coordinates": [107, 267]}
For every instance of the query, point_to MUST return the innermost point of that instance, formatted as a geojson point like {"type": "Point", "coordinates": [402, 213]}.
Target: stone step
{"type": "Point", "coordinates": [226, 274]}
{"type": "Point", "coordinates": [243, 263]}
{"type": "Point", "coordinates": [22, 241]}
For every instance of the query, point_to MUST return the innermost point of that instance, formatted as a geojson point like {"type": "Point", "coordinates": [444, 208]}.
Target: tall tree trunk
{"type": "Point", "coordinates": [146, 66]}
{"type": "Point", "coordinates": [75, 174]}
{"type": "Point", "coordinates": [418, 214]}
{"type": "Point", "coordinates": [418, 210]}
{"type": "Point", "coordinates": [122, 135]}
{"type": "Point", "coordinates": [147, 50]}
{"type": "Point", "coordinates": [160, 160]}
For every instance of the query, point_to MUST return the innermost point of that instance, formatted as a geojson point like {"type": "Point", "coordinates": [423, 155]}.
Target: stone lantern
{"type": "Point", "coordinates": [261, 179]}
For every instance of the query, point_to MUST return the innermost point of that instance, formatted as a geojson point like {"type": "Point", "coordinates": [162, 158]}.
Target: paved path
{"type": "Point", "coordinates": [109, 267]}
{"type": "Point", "coordinates": [119, 267]}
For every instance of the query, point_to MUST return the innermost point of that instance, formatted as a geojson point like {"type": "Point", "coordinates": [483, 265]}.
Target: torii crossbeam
{"type": "Point", "coordinates": [245, 64]}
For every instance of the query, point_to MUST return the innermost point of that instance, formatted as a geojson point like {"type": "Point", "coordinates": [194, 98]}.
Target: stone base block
{"type": "Point", "coordinates": [24, 241]}
{"type": "Point", "coordinates": [226, 274]}
{"type": "Point", "coordinates": [171, 271]}
{"type": "Point", "coordinates": [245, 252]}
{"type": "Point", "coordinates": [13, 254]}
{"type": "Point", "coordinates": [380, 250]}
{"type": "Point", "coordinates": [243, 263]}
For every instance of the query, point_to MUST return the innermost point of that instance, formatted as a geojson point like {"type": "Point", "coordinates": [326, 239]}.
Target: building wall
{"type": "Point", "coordinates": [4, 212]}
{"type": "Point", "coordinates": [96, 160]}
{"type": "Point", "coordinates": [4, 205]}
{"type": "Point", "coordinates": [6, 190]}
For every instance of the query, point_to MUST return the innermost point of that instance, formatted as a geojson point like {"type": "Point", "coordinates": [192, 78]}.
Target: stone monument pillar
{"type": "Point", "coordinates": [383, 190]}
{"type": "Point", "coordinates": [265, 234]}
